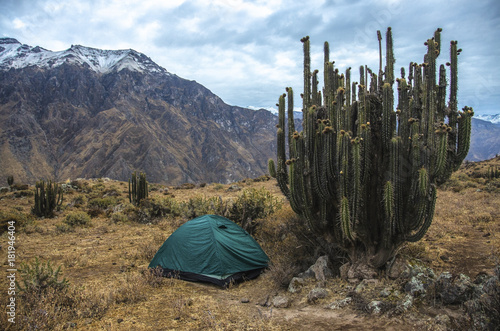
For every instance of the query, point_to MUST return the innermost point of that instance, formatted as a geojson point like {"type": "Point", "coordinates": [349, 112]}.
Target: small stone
{"type": "Point", "coordinates": [295, 285]}
{"type": "Point", "coordinates": [339, 303]}
{"type": "Point", "coordinates": [398, 269]}
{"type": "Point", "coordinates": [281, 302]}
{"type": "Point", "coordinates": [245, 300]}
{"type": "Point", "coordinates": [364, 284]}
{"type": "Point", "coordinates": [406, 303]}
{"type": "Point", "coordinates": [386, 292]}
{"type": "Point", "coordinates": [316, 294]}
{"type": "Point", "coordinates": [375, 307]}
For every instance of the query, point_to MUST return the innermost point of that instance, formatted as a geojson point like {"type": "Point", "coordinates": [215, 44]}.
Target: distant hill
{"type": "Point", "coordinates": [485, 140]}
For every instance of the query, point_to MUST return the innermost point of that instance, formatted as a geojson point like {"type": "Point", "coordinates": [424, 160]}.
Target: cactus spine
{"type": "Point", "coordinates": [48, 197]}
{"type": "Point", "coordinates": [137, 188]}
{"type": "Point", "coordinates": [363, 172]}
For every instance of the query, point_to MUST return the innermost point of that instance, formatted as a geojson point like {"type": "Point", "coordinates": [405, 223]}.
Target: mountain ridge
{"type": "Point", "coordinates": [13, 54]}
{"type": "Point", "coordinates": [63, 117]}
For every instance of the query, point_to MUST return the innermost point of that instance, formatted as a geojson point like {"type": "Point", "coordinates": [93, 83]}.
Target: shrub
{"type": "Point", "coordinates": [119, 217]}
{"type": "Point", "coordinates": [152, 209]}
{"type": "Point", "coordinates": [97, 206]}
{"type": "Point", "coordinates": [20, 219]}
{"type": "Point", "coordinates": [251, 205]}
{"type": "Point", "coordinates": [40, 276]}
{"type": "Point", "coordinates": [77, 218]}
{"type": "Point", "coordinates": [200, 205]}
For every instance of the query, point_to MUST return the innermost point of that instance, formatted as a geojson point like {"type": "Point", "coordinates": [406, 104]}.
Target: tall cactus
{"type": "Point", "coordinates": [137, 188]}
{"type": "Point", "coordinates": [363, 172]}
{"type": "Point", "coordinates": [48, 197]}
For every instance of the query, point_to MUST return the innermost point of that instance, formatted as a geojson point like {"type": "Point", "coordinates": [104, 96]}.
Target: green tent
{"type": "Point", "coordinates": [210, 248]}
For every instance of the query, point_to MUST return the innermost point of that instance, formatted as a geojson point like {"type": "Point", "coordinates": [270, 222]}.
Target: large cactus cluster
{"type": "Point", "coordinates": [363, 172]}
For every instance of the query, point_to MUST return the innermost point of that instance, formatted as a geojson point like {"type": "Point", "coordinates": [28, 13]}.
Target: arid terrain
{"type": "Point", "coordinates": [105, 262]}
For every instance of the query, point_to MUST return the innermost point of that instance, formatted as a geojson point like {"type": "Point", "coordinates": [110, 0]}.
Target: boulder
{"type": "Point", "coordinates": [357, 271]}
{"type": "Point", "coordinates": [319, 270]}
{"type": "Point", "coordinates": [454, 291]}
{"type": "Point", "coordinates": [316, 294]}
{"type": "Point", "coordinates": [281, 301]}
{"type": "Point", "coordinates": [295, 285]}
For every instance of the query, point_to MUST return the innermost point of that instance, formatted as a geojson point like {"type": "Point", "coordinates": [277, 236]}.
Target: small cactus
{"type": "Point", "coordinates": [48, 197]}
{"type": "Point", "coordinates": [137, 188]}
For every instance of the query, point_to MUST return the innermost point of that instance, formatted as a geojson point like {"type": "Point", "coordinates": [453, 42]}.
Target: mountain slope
{"type": "Point", "coordinates": [89, 113]}
{"type": "Point", "coordinates": [485, 140]}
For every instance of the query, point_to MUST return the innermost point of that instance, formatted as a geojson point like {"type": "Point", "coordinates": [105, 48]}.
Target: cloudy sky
{"type": "Point", "coordinates": [247, 52]}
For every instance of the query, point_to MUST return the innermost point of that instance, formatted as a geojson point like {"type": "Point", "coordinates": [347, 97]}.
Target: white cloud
{"type": "Point", "coordinates": [248, 51]}
{"type": "Point", "coordinates": [18, 24]}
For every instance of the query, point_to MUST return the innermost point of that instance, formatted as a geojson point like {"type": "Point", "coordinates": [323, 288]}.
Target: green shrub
{"type": "Point", "coordinates": [119, 217]}
{"type": "Point", "coordinates": [252, 205]}
{"type": "Point", "coordinates": [77, 218]}
{"type": "Point", "coordinates": [98, 206]}
{"type": "Point", "coordinates": [200, 205]}
{"type": "Point", "coordinates": [40, 276]}
{"type": "Point", "coordinates": [20, 219]}
{"type": "Point", "coordinates": [63, 228]}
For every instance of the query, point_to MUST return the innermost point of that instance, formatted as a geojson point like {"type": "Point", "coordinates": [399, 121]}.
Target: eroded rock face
{"type": "Point", "coordinates": [71, 121]}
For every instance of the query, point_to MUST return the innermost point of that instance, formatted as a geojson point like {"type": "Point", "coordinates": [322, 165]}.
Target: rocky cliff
{"type": "Point", "coordinates": [86, 112]}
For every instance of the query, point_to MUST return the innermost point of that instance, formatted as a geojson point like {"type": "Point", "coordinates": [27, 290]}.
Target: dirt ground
{"type": "Point", "coordinates": [105, 262]}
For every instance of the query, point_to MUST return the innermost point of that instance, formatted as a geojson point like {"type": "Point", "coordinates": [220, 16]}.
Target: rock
{"type": "Point", "coordinates": [364, 284]}
{"type": "Point", "coordinates": [281, 302]}
{"type": "Point", "coordinates": [245, 300]}
{"type": "Point", "coordinates": [316, 294]}
{"type": "Point", "coordinates": [398, 268]}
{"type": "Point", "coordinates": [421, 278]}
{"type": "Point", "coordinates": [264, 302]}
{"type": "Point", "coordinates": [418, 285]}
{"type": "Point", "coordinates": [454, 291]}
{"type": "Point", "coordinates": [483, 307]}
{"type": "Point", "coordinates": [375, 307]}
{"type": "Point", "coordinates": [339, 303]}
{"type": "Point", "coordinates": [295, 285]}
{"type": "Point", "coordinates": [234, 188]}
{"type": "Point", "coordinates": [319, 270]}
{"type": "Point", "coordinates": [386, 292]}
{"type": "Point", "coordinates": [405, 304]}
{"type": "Point", "coordinates": [344, 269]}
{"type": "Point", "coordinates": [357, 271]}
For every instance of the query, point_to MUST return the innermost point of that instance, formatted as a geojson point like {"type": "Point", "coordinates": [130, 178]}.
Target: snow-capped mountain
{"type": "Point", "coordinates": [13, 54]}
{"type": "Point", "coordinates": [86, 112]}
{"type": "Point", "coordinates": [493, 118]}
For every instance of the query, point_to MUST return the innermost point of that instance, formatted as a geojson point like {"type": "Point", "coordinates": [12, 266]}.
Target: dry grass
{"type": "Point", "coordinates": [110, 287]}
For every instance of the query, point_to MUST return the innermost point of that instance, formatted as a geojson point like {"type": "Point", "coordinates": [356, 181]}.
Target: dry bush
{"type": "Point", "coordinates": [285, 240]}
{"type": "Point", "coordinates": [44, 302]}
{"type": "Point", "coordinates": [131, 290]}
